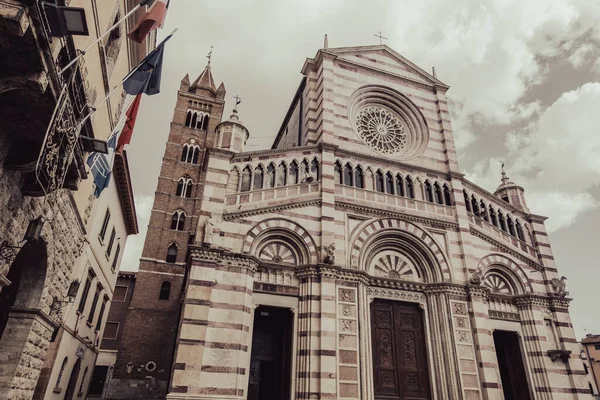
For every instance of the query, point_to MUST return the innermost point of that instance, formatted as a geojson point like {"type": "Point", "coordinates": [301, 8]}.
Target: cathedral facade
{"type": "Point", "coordinates": [352, 260]}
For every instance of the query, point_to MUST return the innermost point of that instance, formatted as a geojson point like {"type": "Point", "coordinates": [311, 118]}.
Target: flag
{"type": "Point", "coordinates": [101, 164]}
{"type": "Point", "coordinates": [145, 78]}
{"type": "Point", "coordinates": [154, 18]}
{"type": "Point", "coordinates": [127, 131]}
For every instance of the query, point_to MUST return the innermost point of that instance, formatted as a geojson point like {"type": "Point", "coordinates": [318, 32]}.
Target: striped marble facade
{"type": "Point", "coordinates": [315, 247]}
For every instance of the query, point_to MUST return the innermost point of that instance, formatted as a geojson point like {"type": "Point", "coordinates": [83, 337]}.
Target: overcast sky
{"type": "Point", "coordinates": [524, 82]}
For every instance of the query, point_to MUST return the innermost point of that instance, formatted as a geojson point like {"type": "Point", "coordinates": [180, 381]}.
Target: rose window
{"type": "Point", "coordinates": [381, 129]}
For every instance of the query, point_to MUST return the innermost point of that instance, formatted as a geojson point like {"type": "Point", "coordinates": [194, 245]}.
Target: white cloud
{"type": "Point", "coordinates": [135, 244]}
{"type": "Point", "coordinates": [583, 54]}
{"type": "Point", "coordinates": [564, 208]}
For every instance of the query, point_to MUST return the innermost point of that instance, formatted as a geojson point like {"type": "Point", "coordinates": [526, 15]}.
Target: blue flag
{"type": "Point", "coordinates": [101, 164]}
{"type": "Point", "coordinates": [146, 77]}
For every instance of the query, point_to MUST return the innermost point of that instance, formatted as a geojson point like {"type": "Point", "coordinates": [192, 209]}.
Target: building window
{"type": "Point", "coordinates": [348, 175]}
{"type": "Point", "coordinates": [178, 221]}
{"type": "Point", "coordinates": [389, 183]}
{"type": "Point", "coordinates": [379, 181]}
{"type": "Point", "coordinates": [467, 201]}
{"type": "Point", "coordinates": [314, 169]}
{"type": "Point", "coordinates": [399, 186]}
{"type": "Point", "coordinates": [82, 381]}
{"type": "Point", "coordinates": [120, 293]}
{"type": "Point", "coordinates": [359, 178]}
{"type": "Point", "coordinates": [61, 372]}
{"type": "Point", "coordinates": [101, 315]}
{"type": "Point", "coordinates": [258, 178]}
{"type": "Point", "coordinates": [282, 175]}
{"type": "Point", "coordinates": [172, 253]}
{"type": "Point", "coordinates": [111, 329]}
{"type": "Point", "coordinates": [84, 294]}
{"type": "Point", "coordinates": [439, 197]}
{"type": "Point", "coordinates": [111, 242]}
{"type": "Point", "coordinates": [184, 187]}
{"type": "Point", "coordinates": [270, 181]}
{"type": "Point", "coordinates": [104, 225]}
{"type": "Point", "coordinates": [246, 179]}
{"type": "Point", "coordinates": [597, 346]}
{"type": "Point", "coordinates": [116, 259]}
{"type": "Point", "coordinates": [428, 192]}
{"type": "Point", "coordinates": [501, 221]}
{"type": "Point", "coordinates": [94, 304]}
{"type": "Point", "coordinates": [410, 188]}
{"type": "Point", "coordinates": [294, 173]}
{"type": "Point", "coordinates": [337, 169]}
{"type": "Point", "coordinates": [165, 291]}
{"type": "Point", "coordinates": [520, 234]}
{"type": "Point", "coordinates": [447, 197]}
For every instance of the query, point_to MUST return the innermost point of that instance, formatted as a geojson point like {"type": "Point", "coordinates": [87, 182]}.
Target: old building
{"type": "Point", "coordinates": [59, 252]}
{"type": "Point", "coordinates": [590, 354]}
{"type": "Point", "coordinates": [351, 260]}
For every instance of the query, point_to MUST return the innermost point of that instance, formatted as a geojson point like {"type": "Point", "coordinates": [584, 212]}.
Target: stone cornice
{"type": "Point", "coordinates": [537, 218]}
{"type": "Point", "coordinates": [397, 164]}
{"type": "Point", "coordinates": [271, 209]}
{"type": "Point", "coordinates": [429, 222]}
{"type": "Point", "coordinates": [504, 248]}
{"type": "Point", "coordinates": [222, 152]}
{"type": "Point", "coordinates": [524, 301]}
{"type": "Point", "coordinates": [222, 256]}
{"type": "Point", "coordinates": [241, 157]}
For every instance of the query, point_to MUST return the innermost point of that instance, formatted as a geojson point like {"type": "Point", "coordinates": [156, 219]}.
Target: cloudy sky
{"type": "Point", "coordinates": [524, 82]}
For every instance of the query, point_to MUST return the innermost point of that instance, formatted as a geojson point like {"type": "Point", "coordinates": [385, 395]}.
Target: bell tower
{"type": "Point", "coordinates": [511, 193]}
{"type": "Point", "coordinates": [172, 227]}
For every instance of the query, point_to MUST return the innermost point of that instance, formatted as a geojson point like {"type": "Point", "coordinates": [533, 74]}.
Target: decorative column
{"type": "Point", "coordinates": [212, 351]}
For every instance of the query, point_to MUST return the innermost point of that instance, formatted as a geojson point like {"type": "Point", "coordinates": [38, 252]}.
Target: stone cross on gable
{"type": "Point", "coordinates": [381, 38]}
{"type": "Point", "coordinates": [238, 100]}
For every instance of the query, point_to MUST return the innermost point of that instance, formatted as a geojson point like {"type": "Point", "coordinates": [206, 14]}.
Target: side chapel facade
{"type": "Point", "coordinates": [352, 260]}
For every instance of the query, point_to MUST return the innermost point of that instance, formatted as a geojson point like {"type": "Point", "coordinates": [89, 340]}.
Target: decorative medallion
{"type": "Point", "coordinates": [392, 264]}
{"type": "Point", "coordinates": [497, 284]}
{"type": "Point", "coordinates": [278, 252]}
{"type": "Point", "coordinates": [381, 129]}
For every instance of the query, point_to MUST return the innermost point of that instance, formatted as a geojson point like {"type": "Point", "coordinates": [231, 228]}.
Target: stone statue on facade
{"type": "Point", "coordinates": [559, 286]}
{"type": "Point", "coordinates": [477, 278]}
{"type": "Point", "coordinates": [209, 228]}
{"type": "Point", "coordinates": [330, 256]}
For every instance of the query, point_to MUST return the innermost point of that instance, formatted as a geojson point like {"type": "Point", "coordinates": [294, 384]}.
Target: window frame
{"type": "Point", "coordinates": [118, 324]}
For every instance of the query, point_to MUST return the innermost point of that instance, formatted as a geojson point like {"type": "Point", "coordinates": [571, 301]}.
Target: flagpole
{"type": "Point", "coordinates": [82, 52]}
{"type": "Point", "coordinates": [95, 107]}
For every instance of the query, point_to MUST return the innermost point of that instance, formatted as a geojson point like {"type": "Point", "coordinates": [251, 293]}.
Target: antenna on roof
{"type": "Point", "coordinates": [433, 72]}
{"type": "Point", "coordinates": [325, 43]}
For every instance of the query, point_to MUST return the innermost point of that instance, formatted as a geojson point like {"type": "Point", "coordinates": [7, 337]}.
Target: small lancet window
{"type": "Point", "coordinates": [439, 198]}
{"type": "Point", "coordinates": [348, 175]}
{"type": "Point", "coordinates": [379, 182]}
{"type": "Point", "coordinates": [389, 183]}
{"type": "Point", "coordinates": [410, 188]}
{"type": "Point", "coordinates": [447, 196]}
{"type": "Point", "coordinates": [188, 119]}
{"type": "Point", "coordinates": [501, 221]}
{"type": "Point", "coordinates": [493, 219]}
{"type": "Point", "coordinates": [270, 181]}
{"type": "Point", "coordinates": [474, 205]}
{"type": "Point", "coordinates": [520, 234]}
{"type": "Point", "coordinates": [178, 221]}
{"type": "Point", "coordinates": [467, 201]}
{"type": "Point", "coordinates": [205, 123]}
{"type": "Point", "coordinates": [483, 211]}
{"type": "Point", "coordinates": [428, 192]}
{"type": "Point", "coordinates": [510, 225]}
{"type": "Point", "coordinates": [194, 120]}
{"type": "Point", "coordinates": [294, 173]}
{"type": "Point", "coordinates": [359, 178]}
{"type": "Point", "coordinates": [172, 253]}
{"type": "Point", "coordinates": [304, 169]}
{"type": "Point", "coordinates": [314, 169]}
{"type": "Point", "coordinates": [399, 185]}
{"type": "Point", "coordinates": [165, 291]}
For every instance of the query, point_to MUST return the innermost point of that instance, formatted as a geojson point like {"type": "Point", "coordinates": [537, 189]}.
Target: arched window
{"type": "Point", "coordinates": [172, 253]}
{"type": "Point", "coordinates": [337, 169]}
{"type": "Point", "coordinates": [359, 178]}
{"type": "Point", "coordinates": [348, 175]}
{"type": "Point", "coordinates": [389, 183]}
{"type": "Point", "coordinates": [205, 123]}
{"type": "Point", "coordinates": [282, 174]}
{"type": "Point", "coordinates": [184, 152]}
{"type": "Point", "coordinates": [483, 211]}
{"type": "Point", "coordinates": [61, 372]}
{"type": "Point", "coordinates": [474, 205]}
{"type": "Point", "coordinates": [439, 197]}
{"type": "Point", "coordinates": [270, 181]}
{"type": "Point", "coordinates": [314, 169]}
{"type": "Point", "coordinates": [165, 291]}
{"type": "Point", "coordinates": [246, 179]}
{"type": "Point", "coordinates": [184, 187]}
{"type": "Point", "coordinates": [428, 192]}
{"type": "Point", "coordinates": [294, 173]}
{"type": "Point", "coordinates": [399, 185]}
{"type": "Point", "coordinates": [520, 234]}
{"type": "Point", "coordinates": [467, 201]}
{"type": "Point", "coordinates": [83, 380]}
{"type": "Point", "coordinates": [200, 120]}
{"type": "Point", "coordinates": [379, 182]}
{"type": "Point", "coordinates": [188, 119]}
{"type": "Point", "coordinates": [258, 178]}
{"type": "Point", "coordinates": [196, 153]}
{"type": "Point", "coordinates": [194, 120]}
{"type": "Point", "coordinates": [493, 219]}
{"type": "Point", "coordinates": [410, 188]}
{"type": "Point", "coordinates": [510, 225]}
{"type": "Point", "coordinates": [178, 220]}
{"type": "Point", "coordinates": [447, 196]}
{"type": "Point", "coordinates": [501, 221]}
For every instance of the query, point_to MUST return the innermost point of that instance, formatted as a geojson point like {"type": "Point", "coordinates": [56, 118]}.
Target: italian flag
{"type": "Point", "coordinates": [153, 19]}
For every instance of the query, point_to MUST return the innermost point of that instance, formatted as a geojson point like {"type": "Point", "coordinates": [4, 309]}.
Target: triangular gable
{"type": "Point", "coordinates": [384, 59]}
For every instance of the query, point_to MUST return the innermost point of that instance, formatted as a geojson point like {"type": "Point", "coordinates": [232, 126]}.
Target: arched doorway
{"type": "Point", "coordinates": [27, 276]}
{"type": "Point", "coordinates": [70, 392]}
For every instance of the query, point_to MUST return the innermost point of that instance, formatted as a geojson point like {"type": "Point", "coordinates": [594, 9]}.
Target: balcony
{"type": "Point", "coordinates": [29, 91]}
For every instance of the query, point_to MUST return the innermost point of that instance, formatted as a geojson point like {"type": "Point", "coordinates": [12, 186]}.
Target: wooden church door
{"type": "Point", "coordinates": [399, 353]}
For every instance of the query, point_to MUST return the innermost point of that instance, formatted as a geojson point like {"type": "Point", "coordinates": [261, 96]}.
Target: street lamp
{"type": "Point", "coordinates": [65, 21]}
